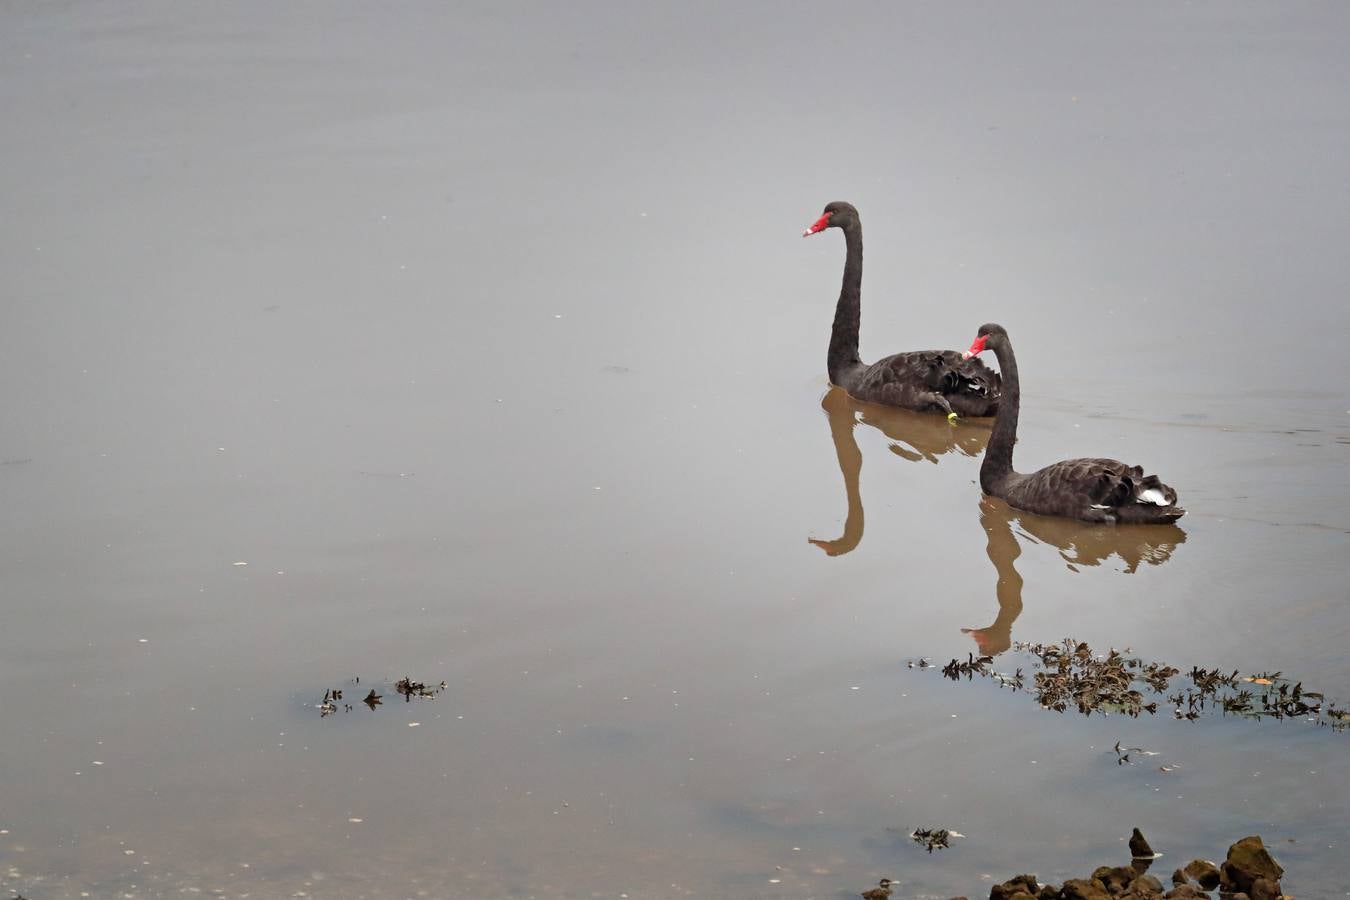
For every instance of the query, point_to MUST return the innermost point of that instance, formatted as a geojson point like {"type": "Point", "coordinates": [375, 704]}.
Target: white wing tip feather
{"type": "Point", "coordinates": [1152, 495]}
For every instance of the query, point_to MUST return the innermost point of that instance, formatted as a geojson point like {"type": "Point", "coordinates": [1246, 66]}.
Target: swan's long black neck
{"type": "Point", "coordinates": [998, 455]}
{"type": "Point", "coordinates": [848, 313]}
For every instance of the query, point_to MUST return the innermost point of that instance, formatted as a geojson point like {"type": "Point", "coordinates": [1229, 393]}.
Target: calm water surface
{"type": "Point", "coordinates": [484, 336]}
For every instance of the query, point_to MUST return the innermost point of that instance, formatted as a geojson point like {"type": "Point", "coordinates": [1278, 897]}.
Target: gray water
{"type": "Point", "coordinates": [484, 335]}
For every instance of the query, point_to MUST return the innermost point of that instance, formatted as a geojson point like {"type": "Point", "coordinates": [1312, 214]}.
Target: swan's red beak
{"type": "Point", "coordinates": [818, 225]}
{"type": "Point", "coordinates": [976, 347]}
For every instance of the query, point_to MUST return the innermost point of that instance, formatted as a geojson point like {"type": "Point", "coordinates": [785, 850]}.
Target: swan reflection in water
{"type": "Point", "coordinates": [1079, 544]}
{"type": "Point", "coordinates": [915, 436]}
{"type": "Point", "coordinates": [920, 437]}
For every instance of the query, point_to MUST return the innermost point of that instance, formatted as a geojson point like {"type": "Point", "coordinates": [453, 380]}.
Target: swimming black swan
{"type": "Point", "coordinates": [1094, 490]}
{"type": "Point", "coordinates": [931, 379]}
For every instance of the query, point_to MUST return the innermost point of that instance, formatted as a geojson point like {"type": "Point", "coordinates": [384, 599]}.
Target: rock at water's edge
{"type": "Point", "coordinates": [1204, 873]}
{"type": "Point", "coordinates": [1187, 892]}
{"type": "Point", "coordinates": [1265, 889]}
{"type": "Point", "coordinates": [1248, 860]}
{"type": "Point", "coordinates": [1084, 889]}
{"type": "Point", "coordinates": [1018, 884]}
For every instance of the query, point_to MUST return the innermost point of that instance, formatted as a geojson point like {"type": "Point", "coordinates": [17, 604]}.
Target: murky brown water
{"type": "Point", "coordinates": [485, 337]}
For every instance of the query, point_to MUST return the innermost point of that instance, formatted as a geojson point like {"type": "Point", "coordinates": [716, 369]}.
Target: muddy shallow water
{"type": "Point", "coordinates": [480, 345]}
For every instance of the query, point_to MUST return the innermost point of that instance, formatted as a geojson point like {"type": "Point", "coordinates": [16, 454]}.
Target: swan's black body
{"type": "Point", "coordinates": [923, 380]}
{"type": "Point", "coordinates": [1094, 490]}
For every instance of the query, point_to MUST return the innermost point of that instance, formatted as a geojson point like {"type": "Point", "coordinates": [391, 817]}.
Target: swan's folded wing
{"type": "Point", "coordinates": [1109, 485]}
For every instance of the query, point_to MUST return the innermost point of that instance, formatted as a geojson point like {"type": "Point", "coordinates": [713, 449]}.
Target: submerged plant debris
{"type": "Point", "coordinates": [331, 699]}
{"type": "Point", "coordinates": [934, 838]}
{"type": "Point", "coordinates": [333, 703]}
{"type": "Point", "coordinates": [410, 689]}
{"type": "Point", "coordinates": [1072, 676]}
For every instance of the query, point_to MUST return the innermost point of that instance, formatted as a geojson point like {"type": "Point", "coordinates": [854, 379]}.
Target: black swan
{"type": "Point", "coordinates": [931, 379]}
{"type": "Point", "coordinates": [1094, 490]}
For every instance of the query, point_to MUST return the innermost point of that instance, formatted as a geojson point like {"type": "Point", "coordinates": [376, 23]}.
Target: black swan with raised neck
{"type": "Point", "coordinates": [922, 380]}
{"type": "Point", "coordinates": [1094, 490]}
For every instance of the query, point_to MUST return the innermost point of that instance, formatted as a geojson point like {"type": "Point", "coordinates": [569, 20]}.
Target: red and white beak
{"type": "Point", "coordinates": [976, 347]}
{"type": "Point", "coordinates": [818, 225]}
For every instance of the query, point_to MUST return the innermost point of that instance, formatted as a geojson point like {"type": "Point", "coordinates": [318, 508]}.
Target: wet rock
{"type": "Point", "coordinates": [1204, 873]}
{"type": "Point", "coordinates": [1144, 886]}
{"type": "Point", "coordinates": [1139, 847]}
{"type": "Point", "coordinates": [1018, 884]}
{"type": "Point", "coordinates": [1187, 892]}
{"type": "Point", "coordinates": [1115, 879]}
{"type": "Point", "coordinates": [1249, 873]}
{"type": "Point", "coordinates": [1265, 889]}
{"type": "Point", "coordinates": [1084, 889]}
{"type": "Point", "coordinates": [881, 892]}
{"type": "Point", "coordinates": [1248, 860]}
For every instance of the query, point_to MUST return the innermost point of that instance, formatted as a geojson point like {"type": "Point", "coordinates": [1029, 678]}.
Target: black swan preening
{"type": "Point", "coordinates": [1094, 490]}
{"type": "Point", "coordinates": [929, 379]}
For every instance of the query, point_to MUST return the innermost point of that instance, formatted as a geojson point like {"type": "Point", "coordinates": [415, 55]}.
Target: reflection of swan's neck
{"type": "Point", "coordinates": [842, 423]}
{"type": "Point", "coordinates": [848, 312]}
{"type": "Point", "coordinates": [1003, 550]}
{"type": "Point", "coordinates": [998, 455]}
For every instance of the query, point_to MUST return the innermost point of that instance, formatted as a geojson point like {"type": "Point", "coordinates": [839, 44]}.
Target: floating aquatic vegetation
{"type": "Point", "coordinates": [409, 688]}
{"type": "Point", "coordinates": [934, 838]}
{"type": "Point", "coordinates": [331, 699]}
{"type": "Point", "coordinates": [333, 703]}
{"type": "Point", "coordinates": [970, 668]}
{"type": "Point", "coordinates": [1072, 676]}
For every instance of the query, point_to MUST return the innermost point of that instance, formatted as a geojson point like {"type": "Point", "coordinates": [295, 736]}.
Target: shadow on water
{"type": "Point", "coordinates": [915, 436]}
{"type": "Point", "coordinates": [1078, 543]}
